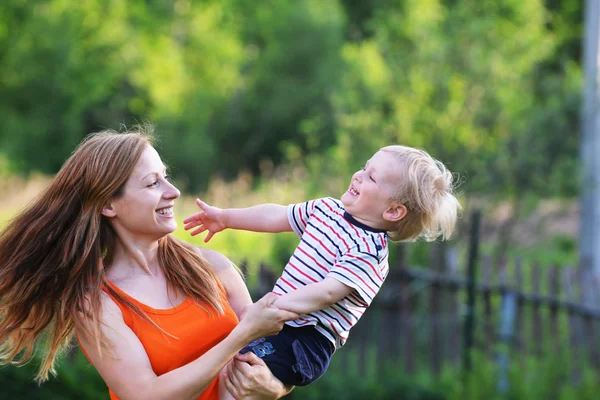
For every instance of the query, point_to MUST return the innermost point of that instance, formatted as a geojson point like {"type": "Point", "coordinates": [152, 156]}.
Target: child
{"type": "Point", "coordinates": [342, 259]}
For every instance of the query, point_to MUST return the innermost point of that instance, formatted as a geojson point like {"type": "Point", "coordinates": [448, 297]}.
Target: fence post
{"type": "Point", "coordinates": [407, 305]}
{"type": "Point", "coordinates": [453, 292]}
{"type": "Point", "coordinates": [575, 332]}
{"type": "Point", "coordinates": [390, 310]}
{"type": "Point", "coordinates": [471, 279]}
{"type": "Point", "coordinates": [554, 285]}
{"type": "Point", "coordinates": [588, 298]}
{"type": "Point", "coordinates": [487, 281]}
{"type": "Point", "coordinates": [538, 321]}
{"type": "Point", "coordinates": [521, 319]}
{"type": "Point", "coordinates": [509, 306]}
{"type": "Point", "coordinates": [436, 349]}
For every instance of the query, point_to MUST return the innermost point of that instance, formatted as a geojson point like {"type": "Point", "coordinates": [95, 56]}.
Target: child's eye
{"type": "Point", "coordinates": [371, 178]}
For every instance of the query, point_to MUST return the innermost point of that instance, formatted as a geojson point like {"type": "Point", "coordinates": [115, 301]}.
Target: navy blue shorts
{"type": "Point", "coordinates": [296, 356]}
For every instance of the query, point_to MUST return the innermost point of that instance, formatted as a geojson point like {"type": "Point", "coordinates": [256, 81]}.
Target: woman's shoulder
{"type": "Point", "coordinates": [216, 260]}
{"type": "Point", "coordinates": [108, 312]}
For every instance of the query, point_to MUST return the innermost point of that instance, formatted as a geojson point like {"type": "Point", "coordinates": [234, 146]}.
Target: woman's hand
{"type": "Point", "coordinates": [248, 377]}
{"type": "Point", "coordinates": [210, 219]}
{"type": "Point", "coordinates": [263, 318]}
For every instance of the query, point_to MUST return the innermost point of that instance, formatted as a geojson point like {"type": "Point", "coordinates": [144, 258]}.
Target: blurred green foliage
{"type": "Point", "coordinates": [490, 87]}
{"type": "Point", "coordinates": [529, 379]}
{"type": "Point", "coordinates": [77, 379]}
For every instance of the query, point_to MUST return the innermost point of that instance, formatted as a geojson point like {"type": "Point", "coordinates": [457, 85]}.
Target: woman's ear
{"type": "Point", "coordinates": [108, 211]}
{"type": "Point", "coordinates": [395, 212]}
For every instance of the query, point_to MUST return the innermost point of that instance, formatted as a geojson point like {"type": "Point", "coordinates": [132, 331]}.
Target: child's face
{"type": "Point", "coordinates": [371, 190]}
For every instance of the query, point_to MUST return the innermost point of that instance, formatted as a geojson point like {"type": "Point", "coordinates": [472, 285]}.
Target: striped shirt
{"type": "Point", "coordinates": [334, 244]}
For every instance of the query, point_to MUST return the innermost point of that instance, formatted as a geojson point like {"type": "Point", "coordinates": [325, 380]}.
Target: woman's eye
{"type": "Point", "coordinates": [371, 178]}
{"type": "Point", "coordinates": [153, 184]}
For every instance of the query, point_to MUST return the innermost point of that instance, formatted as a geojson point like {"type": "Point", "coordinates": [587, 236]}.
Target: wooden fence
{"type": "Point", "coordinates": [430, 317]}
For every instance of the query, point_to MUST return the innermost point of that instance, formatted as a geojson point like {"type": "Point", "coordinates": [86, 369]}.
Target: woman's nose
{"type": "Point", "coordinates": [172, 192]}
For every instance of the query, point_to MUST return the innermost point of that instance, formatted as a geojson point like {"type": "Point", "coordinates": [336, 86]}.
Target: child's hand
{"type": "Point", "coordinates": [210, 219]}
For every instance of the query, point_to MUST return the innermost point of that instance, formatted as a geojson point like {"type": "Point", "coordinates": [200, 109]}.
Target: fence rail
{"type": "Point", "coordinates": [421, 317]}
{"type": "Point", "coordinates": [418, 321]}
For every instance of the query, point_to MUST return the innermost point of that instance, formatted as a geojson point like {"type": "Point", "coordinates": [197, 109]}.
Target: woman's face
{"type": "Point", "coordinates": [145, 210]}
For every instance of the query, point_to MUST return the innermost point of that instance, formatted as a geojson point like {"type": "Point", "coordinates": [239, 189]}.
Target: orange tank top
{"type": "Point", "coordinates": [195, 331]}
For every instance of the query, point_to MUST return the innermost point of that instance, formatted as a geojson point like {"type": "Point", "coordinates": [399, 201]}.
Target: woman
{"type": "Point", "coordinates": [94, 255]}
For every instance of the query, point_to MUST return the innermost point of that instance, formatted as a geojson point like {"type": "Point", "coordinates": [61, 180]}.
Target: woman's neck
{"type": "Point", "coordinates": [135, 258]}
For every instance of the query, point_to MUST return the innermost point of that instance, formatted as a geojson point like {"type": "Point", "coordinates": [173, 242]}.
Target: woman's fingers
{"type": "Point", "coordinates": [242, 377]}
{"type": "Point", "coordinates": [230, 368]}
{"type": "Point", "coordinates": [288, 315]}
{"type": "Point", "coordinates": [268, 299]}
{"type": "Point", "coordinates": [283, 315]}
{"type": "Point", "coordinates": [240, 369]}
{"type": "Point", "coordinates": [249, 358]}
{"type": "Point", "coordinates": [263, 318]}
{"type": "Point", "coordinates": [233, 390]}
{"type": "Point", "coordinates": [232, 382]}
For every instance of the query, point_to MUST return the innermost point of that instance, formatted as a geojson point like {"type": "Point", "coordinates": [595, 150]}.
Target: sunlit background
{"type": "Point", "coordinates": [281, 101]}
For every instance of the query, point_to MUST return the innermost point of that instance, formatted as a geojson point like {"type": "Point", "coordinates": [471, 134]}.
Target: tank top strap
{"type": "Point", "coordinates": [127, 313]}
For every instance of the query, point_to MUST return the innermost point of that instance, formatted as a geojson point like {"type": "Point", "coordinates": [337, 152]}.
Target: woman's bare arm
{"type": "Point", "coordinates": [129, 374]}
{"type": "Point", "coordinates": [237, 292]}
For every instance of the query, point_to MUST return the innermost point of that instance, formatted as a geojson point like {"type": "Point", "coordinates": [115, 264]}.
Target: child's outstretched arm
{"type": "Point", "coordinates": [313, 297]}
{"type": "Point", "coordinates": [261, 218]}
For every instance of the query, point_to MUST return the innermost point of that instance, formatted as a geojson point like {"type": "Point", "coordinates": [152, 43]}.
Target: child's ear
{"type": "Point", "coordinates": [108, 210]}
{"type": "Point", "coordinates": [395, 212]}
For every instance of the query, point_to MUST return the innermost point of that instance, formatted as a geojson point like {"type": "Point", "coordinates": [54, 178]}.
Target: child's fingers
{"type": "Point", "coordinates": [191, 225]}
{"type": "Point", "coordinates": [199, 230]}
{"type": "Point", "coordinates": [209, 236]}
{"type": "Point", "coordinates": [191, 218]}
{"type": "Point", "coordinates": [202, 204]}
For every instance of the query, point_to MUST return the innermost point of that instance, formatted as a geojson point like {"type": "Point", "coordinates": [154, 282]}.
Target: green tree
{"type": "Point", "coordinates": [61, 72]}
{"type": "Point", "coordinates": [292, 67]}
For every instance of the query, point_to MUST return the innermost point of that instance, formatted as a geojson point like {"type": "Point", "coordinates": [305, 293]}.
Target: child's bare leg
{"type": "Point", "coordinates": [224, 393]}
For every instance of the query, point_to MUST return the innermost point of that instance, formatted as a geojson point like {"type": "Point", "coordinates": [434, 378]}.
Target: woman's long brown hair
{"type": "Point", "coordinates": [54, 254]}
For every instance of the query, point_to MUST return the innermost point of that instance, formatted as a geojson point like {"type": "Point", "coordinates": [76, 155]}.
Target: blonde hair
{"type": "Point", "coordinates": [54, 255]}
{"type": "Point", "coordinates": [426, 190]}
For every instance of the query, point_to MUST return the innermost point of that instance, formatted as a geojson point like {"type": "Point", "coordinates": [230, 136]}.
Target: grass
{"type": "Point", "coordinates": [282, 186]}
{"type": "Point", "coordinates": [541, 378]}
{"type": "Point", "coordinates": [241, 247]}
